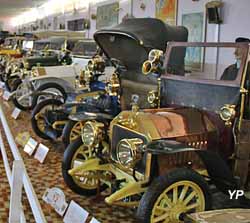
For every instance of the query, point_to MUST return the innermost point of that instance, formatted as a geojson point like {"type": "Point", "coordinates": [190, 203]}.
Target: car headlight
{"type": "Point", "coordinates": [129, 151]}
{"type": "Point", "coordinates": [92, 133]}
{"type": "Point", "coordinates": [227, 113]}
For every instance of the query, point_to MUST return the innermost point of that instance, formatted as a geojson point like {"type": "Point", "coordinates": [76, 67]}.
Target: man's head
{"type": "Point", "coordinates": [238, 51]}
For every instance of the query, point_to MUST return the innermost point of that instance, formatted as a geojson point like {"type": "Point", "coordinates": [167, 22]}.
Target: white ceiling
{"type": "Point", "coordinates": [11, 8]}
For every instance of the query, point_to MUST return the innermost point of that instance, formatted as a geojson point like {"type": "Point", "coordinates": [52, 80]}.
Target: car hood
{"type": "Point", "coordinates": [168, 123]}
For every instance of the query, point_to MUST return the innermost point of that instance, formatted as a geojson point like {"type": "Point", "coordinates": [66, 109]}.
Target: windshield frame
{"type": "Point", "coordinates": [236, 82]}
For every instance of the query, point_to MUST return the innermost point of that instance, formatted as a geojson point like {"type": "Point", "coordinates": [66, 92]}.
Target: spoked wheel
{"type": "Point", "coordinates": [23, 95]}
{"type": "Point", "coordinates": [47, 91]}
{"type": "Point", "coordinates": [172, 196]}
{"type": "Point", "coordinates": [86, 183]}
{"type": "Point", "coordinates": [38, 121]}
{"type": "Point", "coordinates": [71, 131]}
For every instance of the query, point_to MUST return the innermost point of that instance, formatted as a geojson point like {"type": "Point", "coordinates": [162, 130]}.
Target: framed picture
{"type": "Point", "coordinates": [107, 15]}
{"type": "Point", "coordinates": [195, 23]}
{"type": "Point", "coordinates": [166, 10]}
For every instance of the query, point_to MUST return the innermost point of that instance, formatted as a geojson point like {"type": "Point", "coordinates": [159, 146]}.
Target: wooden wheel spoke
{"type": "Point", "coordinates": [167, 201]}
{"type": "Point", "coordinates": [84, 153]}
{"type": "Point", "coordinates": [161, 218]}
{"type": "Point", "coordinates": [90, 151]}
{"type": "Point", "coordinates": [175, 195]}
{"type": "Point", "coordinates": [183, 193]}
{"type": "Point", "coordinates": [189, 198]}
{"type": "Point", "coordinates": [75, 131]}
{"type": "Point", "coordinates": [192, 206]}
{"type": "Point", "coordinates": [160, 210]}
{"type": "Point", "coordinates": [81, 125]}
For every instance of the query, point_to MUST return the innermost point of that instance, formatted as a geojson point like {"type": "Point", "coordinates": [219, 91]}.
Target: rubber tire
{"type": "Point", "coordinates": [44, 87]}
{"type": "Point", "coordinates": [66, 165]}
{"type": "Point", "coordinates": [149, 198]}
{"type": "Point", "coordinates": [37, 109]}
{"type": "Point", "coordinates": [14, 100]}
{"type": "Point", "coordinates": [66, 132]}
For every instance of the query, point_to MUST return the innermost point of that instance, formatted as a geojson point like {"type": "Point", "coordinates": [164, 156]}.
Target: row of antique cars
{"type": "Point", "coordinates": [135, 119]}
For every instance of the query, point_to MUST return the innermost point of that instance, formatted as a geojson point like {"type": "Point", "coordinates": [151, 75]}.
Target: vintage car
{"type": "Point", "coordinates": [17, 45]}
{"type": "Point", "coordinates": [38, 54]}
{"type": "Point", "coordinates": [13, 48]}
{"type": "Point", "coordinates": [48, 44]}
{"type": "Point", "coordinates": [40, 78]}
{"type": "Point", "coordinates": [162, 159]}
{"type": "Point", "coordinates": [49, 116]}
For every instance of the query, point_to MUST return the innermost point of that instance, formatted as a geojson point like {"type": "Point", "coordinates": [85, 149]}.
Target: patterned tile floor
{"type": "Point", "coordinates": [49, 175]}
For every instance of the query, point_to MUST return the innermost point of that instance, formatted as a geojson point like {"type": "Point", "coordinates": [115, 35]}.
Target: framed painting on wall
{"type": "Point", "coordinates": [195, 23]}
{"type": "Point", "coordinates": [107, 15]}
{"type": "Point", "coordinates": [166, 10]}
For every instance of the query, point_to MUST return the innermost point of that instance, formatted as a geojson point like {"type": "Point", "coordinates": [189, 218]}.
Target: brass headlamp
{"type": "Point", "coordinates": [92, 133]}
{"type": "Point", "coordinates": [153, 63]}
{"type": "Point", "coordinates": [227, 113]}
{"type": "Point", "coordinates": [129, 151]}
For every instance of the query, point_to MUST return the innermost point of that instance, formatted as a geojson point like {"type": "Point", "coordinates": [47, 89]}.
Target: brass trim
{"type": "Point", "coordinates": [243, 91]}
{"type": "Point", "coordinates": [56, 123]}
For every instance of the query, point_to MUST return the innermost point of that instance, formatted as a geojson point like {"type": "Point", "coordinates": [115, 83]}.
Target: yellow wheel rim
{"type": "Point", "coordinates": [76, 131]}
{"type": "Point", "coordinates": [85, 180]}
{"type": "Point", "coordinates": [179, 198]}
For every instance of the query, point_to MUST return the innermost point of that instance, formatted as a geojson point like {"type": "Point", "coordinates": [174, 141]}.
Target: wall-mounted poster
{"type": "Point", "coordinates": [194, 22]}
{"type": "Point", "coordinates": [166, 10]}
{"type": "Point", "coordinates": [107, 15]}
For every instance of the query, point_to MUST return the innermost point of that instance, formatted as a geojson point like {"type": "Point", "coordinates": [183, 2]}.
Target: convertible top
{"type": "Point", "coordinates": [131, 41]}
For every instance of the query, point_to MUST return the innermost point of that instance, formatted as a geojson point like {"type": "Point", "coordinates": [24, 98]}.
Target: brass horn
{"type": "Point", "coordinates": [154, 61]}
{"type": "Point", "coordinates": [155, 56]}
{"type": "Point", "coordinates": [147, 67]}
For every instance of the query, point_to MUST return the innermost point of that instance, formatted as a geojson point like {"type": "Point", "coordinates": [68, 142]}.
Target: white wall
{"type": "Point", "coordinates": [236, 16]}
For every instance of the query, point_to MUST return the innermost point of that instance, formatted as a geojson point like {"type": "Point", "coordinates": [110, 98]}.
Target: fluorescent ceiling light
{"type": "Point", "coordinates": [49, 8]}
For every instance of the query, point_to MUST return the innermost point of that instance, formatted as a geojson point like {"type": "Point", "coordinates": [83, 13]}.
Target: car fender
{"type": "Point", "coordinates": [68, 87]}
{"type": "Point", "coordinates": [216, 166]}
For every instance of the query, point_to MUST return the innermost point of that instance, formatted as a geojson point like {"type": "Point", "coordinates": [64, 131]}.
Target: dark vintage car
{"type": "Point", "coordinates": [49, 56]}
{"type": "Point", "coordinates": [162, 159]}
